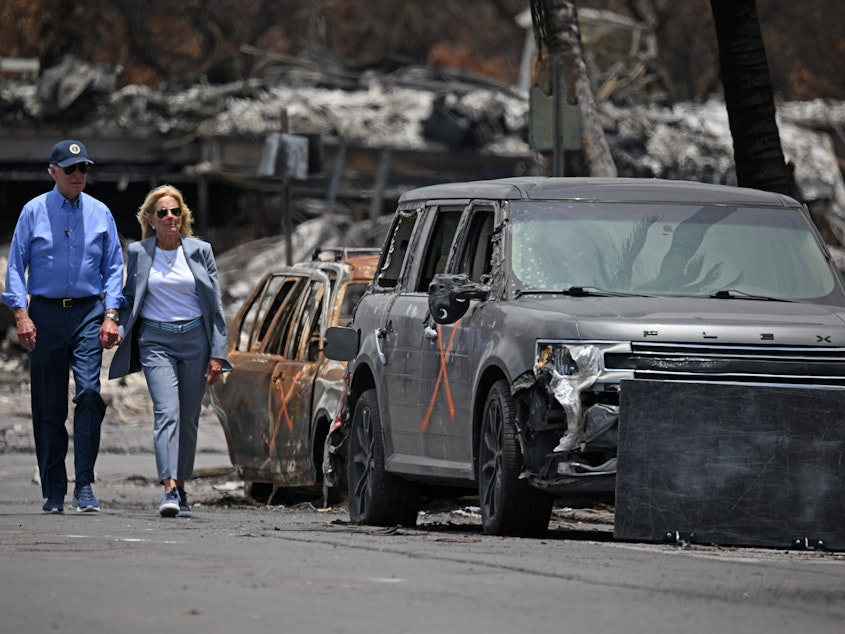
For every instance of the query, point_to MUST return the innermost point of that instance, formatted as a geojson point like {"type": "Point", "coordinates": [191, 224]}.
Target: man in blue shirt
{"type": "Point", "coordinates": [66, 255]}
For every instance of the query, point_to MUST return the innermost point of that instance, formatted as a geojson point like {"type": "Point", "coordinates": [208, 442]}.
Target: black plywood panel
{"type": "Point", "coordinates": [731, 464]}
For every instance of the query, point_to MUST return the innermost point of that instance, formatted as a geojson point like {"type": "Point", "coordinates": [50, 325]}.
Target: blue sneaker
{"type": "Point", "coordinates": [85, 500]}
{"type": "Point", "coordinates": [184, 507]}
{"type": "Point", "coordinates": [169, 506]}
{"type": "Point", "coordinates": [54, 505]}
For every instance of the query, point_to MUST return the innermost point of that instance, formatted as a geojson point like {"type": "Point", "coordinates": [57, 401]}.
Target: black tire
{"type": "Point", "coordinates": [509, 505]}
{"type": "Point", "coordinates": [376, 497]}
{"type": "Point", "coordinates": [258, 492]}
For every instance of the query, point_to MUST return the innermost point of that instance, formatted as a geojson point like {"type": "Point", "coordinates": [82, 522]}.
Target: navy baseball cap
{"type": "Point", "coordinates": [69, 152]}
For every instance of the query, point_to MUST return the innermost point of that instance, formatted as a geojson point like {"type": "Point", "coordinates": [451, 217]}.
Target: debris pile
{"type": "Point", "coordinates": [413, 108]}
{"type": "Point", "coordinates": [389, 105]}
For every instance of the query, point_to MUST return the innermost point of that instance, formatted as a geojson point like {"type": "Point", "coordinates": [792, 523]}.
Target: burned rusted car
{"type": "Point", "coordinates": [277, 404]}
{"type": "Point", "coordinates": [506, 317]}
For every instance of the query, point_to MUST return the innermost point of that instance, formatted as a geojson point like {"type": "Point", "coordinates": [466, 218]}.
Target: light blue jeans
{"type": "Point", "coordinates": [174, 365]}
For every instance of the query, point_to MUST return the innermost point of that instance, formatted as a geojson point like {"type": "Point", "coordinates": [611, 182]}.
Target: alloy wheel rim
{"type": "Point", "coordinates": [364, 461]}
{"type": "Point", "coordinates": [492, 459]}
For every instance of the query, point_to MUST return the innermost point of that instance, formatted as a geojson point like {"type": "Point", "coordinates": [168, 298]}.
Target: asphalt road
{"type": "Point", "coordinates": [298, 568]}
{"type": "Point", "coordinates": [235, 567]}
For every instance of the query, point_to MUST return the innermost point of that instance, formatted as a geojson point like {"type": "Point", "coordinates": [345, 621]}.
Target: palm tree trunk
{"type": "Point", "coordinates": [749, 98]}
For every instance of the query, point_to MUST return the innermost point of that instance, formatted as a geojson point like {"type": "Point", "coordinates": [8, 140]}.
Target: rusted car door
{"type": "Point", "coordinates": [298, 363]}
{"type": "Point", "coordinates": [246, 400]}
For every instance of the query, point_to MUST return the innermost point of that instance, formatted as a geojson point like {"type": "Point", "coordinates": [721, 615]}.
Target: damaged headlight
{"type": "Point", "coordinates": [568, 360]}
{"type": "Point", "coordinates": [572, 368]}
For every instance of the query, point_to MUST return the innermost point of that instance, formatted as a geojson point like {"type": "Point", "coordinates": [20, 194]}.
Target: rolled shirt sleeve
{"type": "Point", "coordinates": [15, 293]}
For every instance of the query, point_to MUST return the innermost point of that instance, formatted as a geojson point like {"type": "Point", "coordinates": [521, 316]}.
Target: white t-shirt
{"type": "Point", "coordinates": [171, 289]}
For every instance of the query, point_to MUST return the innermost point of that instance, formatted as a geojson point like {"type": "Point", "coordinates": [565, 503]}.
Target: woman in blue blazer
{"type": "Point", "coordinates": [173, 328]}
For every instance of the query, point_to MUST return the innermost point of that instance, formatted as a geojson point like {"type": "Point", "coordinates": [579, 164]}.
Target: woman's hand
{"type": "Point", "coordinates": [215, 367]}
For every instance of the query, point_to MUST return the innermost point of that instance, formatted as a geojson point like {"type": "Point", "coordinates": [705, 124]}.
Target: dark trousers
{"type": "Point", "coordinates": [67, 340]}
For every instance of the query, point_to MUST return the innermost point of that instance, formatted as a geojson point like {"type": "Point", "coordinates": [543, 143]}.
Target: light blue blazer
{"type": "Point", "coordinates": [200, 260]}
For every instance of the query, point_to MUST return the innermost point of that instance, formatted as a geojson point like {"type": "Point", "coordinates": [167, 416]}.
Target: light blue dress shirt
{"type": "Point", "coordinates": [70, 251]}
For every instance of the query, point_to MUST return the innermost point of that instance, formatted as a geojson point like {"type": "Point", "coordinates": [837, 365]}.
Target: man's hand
{"type": "Point", "coordinates": [109, 334]}
{"type": "Point", "coordinates": [26, 329]}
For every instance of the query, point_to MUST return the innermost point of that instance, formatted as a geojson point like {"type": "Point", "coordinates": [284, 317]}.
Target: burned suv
{"type": "Point", "coordinates": [277, 404]}
{"type": "Point", "coordinates": [507, 316]}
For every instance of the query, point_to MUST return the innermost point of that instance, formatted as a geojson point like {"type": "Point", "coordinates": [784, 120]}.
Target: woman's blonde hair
{"type": "Point", "coordinates": [148, 207]}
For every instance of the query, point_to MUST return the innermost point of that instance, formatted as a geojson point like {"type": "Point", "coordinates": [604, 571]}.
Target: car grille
{"type": "Point", "coordinates": [743, 364]}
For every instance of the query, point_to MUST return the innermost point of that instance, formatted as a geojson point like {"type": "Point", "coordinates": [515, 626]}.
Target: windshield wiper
{"type": "Point", "coordinates": [578, 291]}
{"type": "Point", "coordinates": [732, 293]}
{"type": "Point", "coordinates": [584, 291]}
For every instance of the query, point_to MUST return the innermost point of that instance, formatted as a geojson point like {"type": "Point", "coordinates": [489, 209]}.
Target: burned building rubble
{"type": "Point", "coordinates": [417, 125]}
{"type": "Point", "coordinates": [372, 132]}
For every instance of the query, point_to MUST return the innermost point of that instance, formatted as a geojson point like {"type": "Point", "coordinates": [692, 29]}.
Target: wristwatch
{"type": "Point", "coordinates": [115, 317]}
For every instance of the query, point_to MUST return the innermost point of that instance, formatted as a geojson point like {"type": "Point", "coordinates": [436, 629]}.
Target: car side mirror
{"type": "Point", "coordinates": [340, 343]}
{"type": "Point", "coordinates": [449, 295]}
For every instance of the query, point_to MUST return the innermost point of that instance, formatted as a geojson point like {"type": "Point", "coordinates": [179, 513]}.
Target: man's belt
{"type": "Point", "coordinates": [66, 302]}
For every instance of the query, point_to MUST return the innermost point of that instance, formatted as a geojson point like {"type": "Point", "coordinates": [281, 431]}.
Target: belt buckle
{"type": "Point", "coordinates": [67, 302]}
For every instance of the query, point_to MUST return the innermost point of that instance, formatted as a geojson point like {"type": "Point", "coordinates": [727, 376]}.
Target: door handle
{"type": "Point", "coordinates": [380, 334]}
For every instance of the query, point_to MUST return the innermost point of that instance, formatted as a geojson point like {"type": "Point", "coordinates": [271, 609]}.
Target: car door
{"type": "Point", "coordinates": [243, 397]}
{"type": "Point", "coordinates": [447, 358]}
{"type": "Point", "coordinates": [298, 364]}
{"type": "Point", "coordinates": [379, 335]}
{"type": "Point", "coordinates": [424, 405]}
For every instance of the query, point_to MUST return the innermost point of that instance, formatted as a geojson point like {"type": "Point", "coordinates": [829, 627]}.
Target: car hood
{"type": "Point", "coordinates": [705, 320]}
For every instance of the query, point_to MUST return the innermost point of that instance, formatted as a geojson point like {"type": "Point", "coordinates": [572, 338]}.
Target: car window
{"type": "Point", "coordinates": [292, 298]}
{"type": "Point", "coordinates": [396, 248]}
{"type": "Point", "coordinates": [476, 254]}
{"type": "Point", "coordinates": [286, 290]}
{"type": "Point", "coordinates": [258, 313]}
{"type": "Point", "coordinates": [437, 251]}
{"type": "Point", "coordinates": [307, 321]}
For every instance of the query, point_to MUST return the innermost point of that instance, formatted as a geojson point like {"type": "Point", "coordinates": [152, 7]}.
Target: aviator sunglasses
{"type": "Point", "coordinates": [82, 167]}
{"type": "Point", "coordinates": [176, 211]}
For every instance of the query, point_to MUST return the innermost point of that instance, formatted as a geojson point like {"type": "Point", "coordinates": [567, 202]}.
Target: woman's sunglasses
{"type": "Point", "coordinates": [82, 167]}
{"type": "Point", "coordinates": [176, 211]}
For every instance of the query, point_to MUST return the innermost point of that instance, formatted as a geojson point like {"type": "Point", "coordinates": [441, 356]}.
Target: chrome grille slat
{"type": "Point", "coordinates": [742, 364]}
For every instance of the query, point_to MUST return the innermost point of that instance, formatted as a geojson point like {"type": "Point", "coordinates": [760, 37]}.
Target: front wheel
{"type": "Point", "coordinates": [376, 497]}
{"type": "Point", "coordinates": [509, 505]}
{"type": "Point", "coordinates": [258, 492]}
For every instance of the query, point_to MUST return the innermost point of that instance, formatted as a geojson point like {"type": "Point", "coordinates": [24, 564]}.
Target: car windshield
{"type": "Point", "coordinates": [667, 249]}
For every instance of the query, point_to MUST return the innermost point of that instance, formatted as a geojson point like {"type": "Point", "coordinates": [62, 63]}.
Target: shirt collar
{"type": "Point", "coordinates": [60, 201]}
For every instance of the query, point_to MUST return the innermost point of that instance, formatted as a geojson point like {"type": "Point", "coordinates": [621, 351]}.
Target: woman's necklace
{"type": "Point", "coordinates": [169, 256]}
